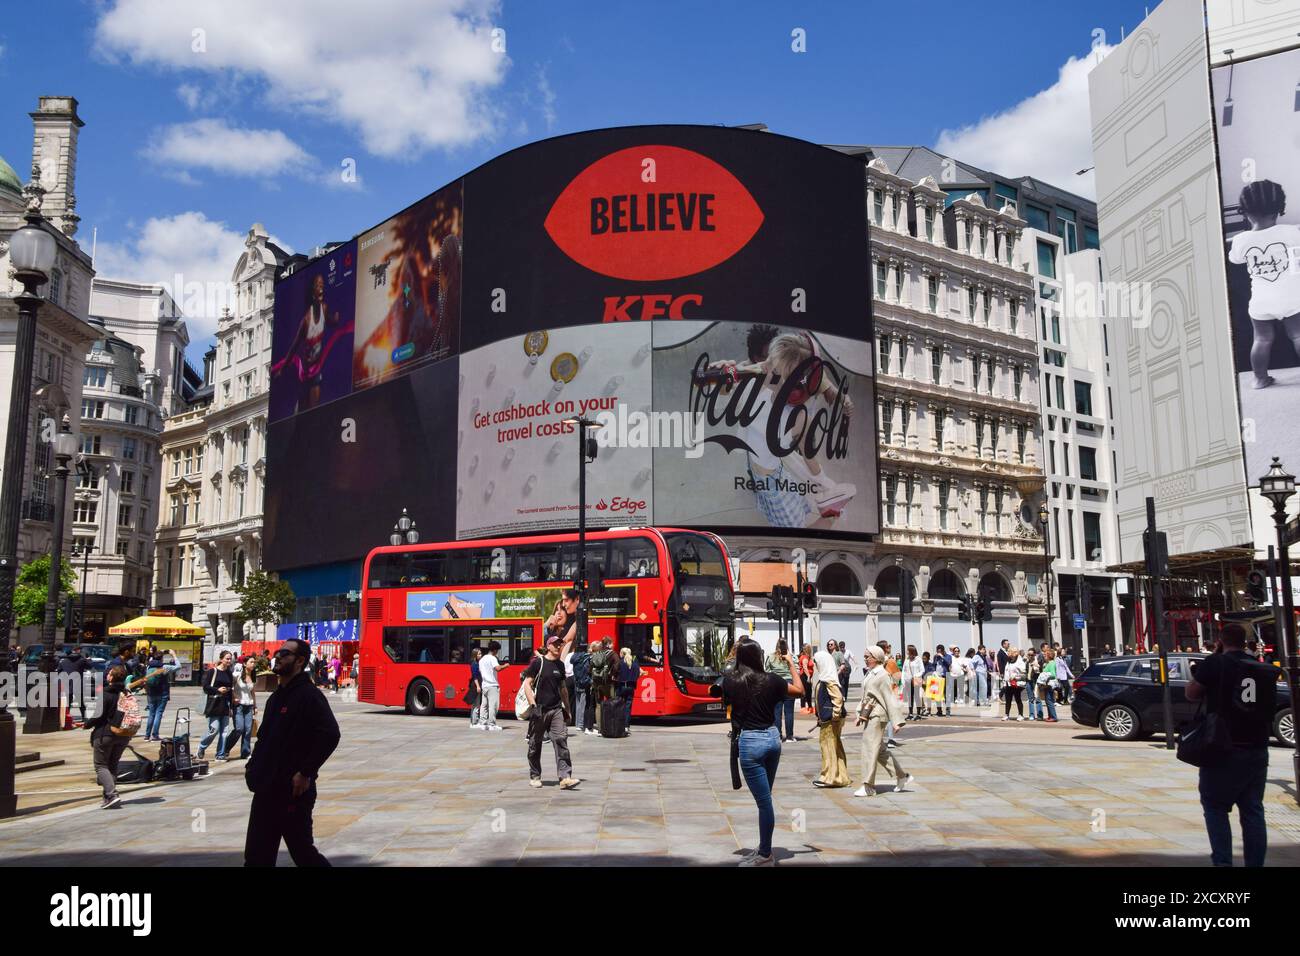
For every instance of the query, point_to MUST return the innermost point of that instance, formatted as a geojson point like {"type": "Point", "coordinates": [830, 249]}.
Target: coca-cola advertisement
{"type": "Point", "coordinates": [783, 427]}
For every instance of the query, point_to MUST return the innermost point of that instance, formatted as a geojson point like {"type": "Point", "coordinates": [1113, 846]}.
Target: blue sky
{"type": "Point", "coordinates": [205, 116]}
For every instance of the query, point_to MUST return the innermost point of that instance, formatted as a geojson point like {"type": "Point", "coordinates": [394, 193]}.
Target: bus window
{"type": "Point", "coordinates": [537, 563]}
{"type": "Point", "coordinates": [645, 643]}
{"type": "Point", "coordinates": [696, 554]}
{"type": "Point", "coordinates": [395, 643]}
{"type": "Point", "coordinates": [596, 558]}
{"type": "Point", "coordinates": [426, 645]}
{"type": "Point", "coordinates": [634, 558]}
{"type": "Point", "coordinates": [458, 643]}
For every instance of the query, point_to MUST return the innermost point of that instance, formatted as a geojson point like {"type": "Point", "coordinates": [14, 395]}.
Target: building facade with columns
{"type": "Point", "coordinates": [233, 470]}
{"type": "Point", "coordinates": [960, 429]}
{"type": "Point", "coordinates": [62, 332]}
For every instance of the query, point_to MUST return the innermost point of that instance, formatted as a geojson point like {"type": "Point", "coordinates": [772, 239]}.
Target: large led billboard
{"type": "Point", "coordinates": [701, 293]}
{"type": "Point", "coordinates": [1255, 113]}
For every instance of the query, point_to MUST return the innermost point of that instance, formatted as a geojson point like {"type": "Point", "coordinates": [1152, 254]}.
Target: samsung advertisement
{"type": "Point", "coordinates": [700, 294]}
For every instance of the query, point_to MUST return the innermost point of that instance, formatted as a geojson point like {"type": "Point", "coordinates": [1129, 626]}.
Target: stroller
{"type": "Point", "coordinates": [174, 761]}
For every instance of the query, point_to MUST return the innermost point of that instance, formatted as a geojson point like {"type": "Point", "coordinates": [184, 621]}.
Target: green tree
{"type": "Point", "coordinates": [33, 584]}
{"type": "Point", "coordinates": [263, 598]}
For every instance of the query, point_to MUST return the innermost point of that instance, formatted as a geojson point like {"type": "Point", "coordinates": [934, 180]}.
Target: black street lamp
{"type": "Point", "coordinates": [83, 553]}
{"type": "Point", "coordinates": [586, 453]}
{"type": "Point", "coordinates": [404, 531]}
{"type": "Point", "coordinates": [45, 719]}
{"type": "Point", "coordinates": [1047, 569]}
{"type": "Point", "coordinates": [32, 250]}
{"type": "Point", "coordinates": [1278, 486]}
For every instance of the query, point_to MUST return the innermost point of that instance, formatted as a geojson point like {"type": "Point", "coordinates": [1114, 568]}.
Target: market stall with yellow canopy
{"type": "Point", "coordinates": [167, 631]}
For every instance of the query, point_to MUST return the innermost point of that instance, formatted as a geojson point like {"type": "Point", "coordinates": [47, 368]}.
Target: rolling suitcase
{"type": "Point", "coordinates": [613, 721]}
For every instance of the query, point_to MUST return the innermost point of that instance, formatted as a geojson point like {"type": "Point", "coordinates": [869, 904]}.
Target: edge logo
{"type": "Point", "coordinates": [687, 216]}
{"type": "Point", "coordinates": [75, 909]}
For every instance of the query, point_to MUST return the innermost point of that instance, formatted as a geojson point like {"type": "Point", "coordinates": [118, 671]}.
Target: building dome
{"type": "Point", "coordinates": [9, 179]}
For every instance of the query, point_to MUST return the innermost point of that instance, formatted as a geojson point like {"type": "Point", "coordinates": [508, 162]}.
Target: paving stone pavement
{"type": "Point", "coordinates": [402, 790]}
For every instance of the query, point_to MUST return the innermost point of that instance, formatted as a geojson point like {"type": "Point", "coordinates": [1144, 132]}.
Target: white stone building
{"type": "Point", "coordinates": [233, 467]}
{"type": "Point", "coordinates": [63, 335]}
{"type": "Point", "coordinates": [957, 387]}
{"type": "Point", "coordinates": [135, 377]}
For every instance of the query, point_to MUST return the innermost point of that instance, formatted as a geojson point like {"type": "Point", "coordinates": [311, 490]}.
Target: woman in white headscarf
{"type": "Point", "coordinates": [828, 700]}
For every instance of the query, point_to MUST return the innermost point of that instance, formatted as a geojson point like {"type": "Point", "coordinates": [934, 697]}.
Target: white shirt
{"type": "Point", "coordinates": [960, 666]}
{"type": "Point", "coordinates": [825, 669]}
{"type": "Point", "coordinates": [487, 669]}
{"type": "Point", "coordinates": [1272, 258]}
{"type": "Point", "coordinates": [568, 664]}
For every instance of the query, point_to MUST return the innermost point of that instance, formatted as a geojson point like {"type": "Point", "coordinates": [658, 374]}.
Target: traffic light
{"type": "Point", "coordinates": [964, 608]}
{"type": "Point", "coordinates": [809, 596]}
{"type": "Point", "coordinates": [1257, 587]}
{"type": "Point", "coordinates": [905, 588]}
{"type": "Point", "coordinates": [1156, 553]}
{"type": "Point", "coordinates": [986, 606]}
{"type": "Point", "coordinates": [771, 611]}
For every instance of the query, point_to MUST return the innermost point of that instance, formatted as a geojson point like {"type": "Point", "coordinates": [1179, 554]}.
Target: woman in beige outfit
{"type": "Point", "coordinates": [828, 699]}
{"type": "Point", "coordinates": [879, 708]}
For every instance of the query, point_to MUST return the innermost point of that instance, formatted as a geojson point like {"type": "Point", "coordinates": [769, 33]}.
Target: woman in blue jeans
{"type": "Point", "coordinates": [782, 665]}
{"type": "Point", "coordinates": [752, 695]}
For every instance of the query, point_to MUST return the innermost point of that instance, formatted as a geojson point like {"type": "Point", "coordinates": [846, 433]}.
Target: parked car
{"type": "Point", "coordinates": [1122, 696]}
{"type": "Point", "coordinates": [97, 654]}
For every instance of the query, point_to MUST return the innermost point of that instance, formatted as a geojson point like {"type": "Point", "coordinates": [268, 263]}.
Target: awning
{"type": "Point", "coordinates": [157, 624]}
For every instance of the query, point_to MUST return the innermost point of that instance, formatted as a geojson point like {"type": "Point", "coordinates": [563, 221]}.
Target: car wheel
{"type": "Point", "coordinates": [1120, 723]}
{"type": "Point", "coordinates": [1284, 727]}
{"type": "Point", "coordinates": [420, 698]}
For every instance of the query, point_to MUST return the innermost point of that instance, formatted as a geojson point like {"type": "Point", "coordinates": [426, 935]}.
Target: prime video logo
{"type": "Point", "coordinates": [636, 429]}
{"type": "Point", "coordinates": [77, 909]}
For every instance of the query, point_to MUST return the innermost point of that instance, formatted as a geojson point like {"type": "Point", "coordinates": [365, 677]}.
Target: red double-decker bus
{"type": "Point", "coordinates": [667, 596]}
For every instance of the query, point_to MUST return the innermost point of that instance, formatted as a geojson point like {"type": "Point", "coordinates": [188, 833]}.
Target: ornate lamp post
{"type": "Point", "coordinates": [586, 453]}
{"type": "Point", "coordinates": [1278, 486]}
{"type": "Point", "coordinates": [32, 251]}
{"type": "Point", "coordinates": [404, 531]}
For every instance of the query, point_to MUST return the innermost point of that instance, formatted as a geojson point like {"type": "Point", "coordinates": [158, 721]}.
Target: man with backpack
{"type": "Point", "coordinates": [583, 710]}
{"type": "Point", "coordinates": [110, 732]}
{"type": "Point", "coordinates": [1242, 692]}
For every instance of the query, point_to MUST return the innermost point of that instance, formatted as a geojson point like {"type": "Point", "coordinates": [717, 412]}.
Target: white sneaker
{"type": "Point", "coordinates": [494, 727]}
{"type": "Point", "coordinates": [835, 498]}
{"type": "Point", "coordinates": [905, 785]}
{"type": "Point", "coordinates": [1020, 718]}
{"type": "Point", "coordinates": [865, 791]}
{"type": "Point", "coordinates": [1006, 718]}
{"type": "Point", "coordinates": [757, 860]}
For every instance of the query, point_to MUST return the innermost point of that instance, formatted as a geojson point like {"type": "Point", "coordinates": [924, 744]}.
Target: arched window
{"type": "Point", "coordinates": [838, 579]}
{"type": "Point", "coordinates": [946, 586]}
{"type": "Point", "coordinates": [995, 586]}
{"type": "Point", "coordinates": [887, 585]}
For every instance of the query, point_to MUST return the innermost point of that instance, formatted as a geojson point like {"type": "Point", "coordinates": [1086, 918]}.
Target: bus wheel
{"type": "Point", "coordinates": [419, 698]}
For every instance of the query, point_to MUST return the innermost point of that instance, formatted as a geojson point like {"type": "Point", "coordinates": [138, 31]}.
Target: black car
{"type": "Point", "coordinates": [1122, 696]}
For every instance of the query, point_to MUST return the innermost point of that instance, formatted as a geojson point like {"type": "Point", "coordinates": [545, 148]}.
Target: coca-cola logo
{"type": "Point", "coordinates": [790, 426]}
{"type": "Point", "coordinates": [653, 212]}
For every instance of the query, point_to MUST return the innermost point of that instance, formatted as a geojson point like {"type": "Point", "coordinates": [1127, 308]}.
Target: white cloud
{"type": "Point", "coordinates": [190, 254]}
{"type": "Point", "coordinates": [1047, 136]}
{"type": "Point", "coordinates": [408, 75]}
{"type": "Point", "coordinates": [548, 97]}
{"type": "Point", "coordinates": [213, 144]}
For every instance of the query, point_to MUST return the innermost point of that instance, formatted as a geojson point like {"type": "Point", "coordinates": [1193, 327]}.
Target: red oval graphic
{"type": "Point", "coordinates": [694, 214]}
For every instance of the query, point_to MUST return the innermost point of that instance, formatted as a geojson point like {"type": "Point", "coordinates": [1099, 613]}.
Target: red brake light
{"type": "Point", "coordinates": [1077, 685]}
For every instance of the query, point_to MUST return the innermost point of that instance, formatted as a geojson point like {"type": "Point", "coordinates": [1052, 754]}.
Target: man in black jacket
{"type": "Point", "coordinates": [297, 735]}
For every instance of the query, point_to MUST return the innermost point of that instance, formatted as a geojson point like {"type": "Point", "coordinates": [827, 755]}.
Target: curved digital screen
{"type": "Point", "coordinates": [700, 293]}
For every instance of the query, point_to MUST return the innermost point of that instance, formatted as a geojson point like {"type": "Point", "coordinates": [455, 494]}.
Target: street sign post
{"type": "Point", "coordinates": [1080, 622]}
